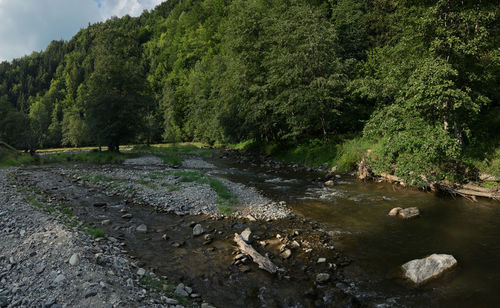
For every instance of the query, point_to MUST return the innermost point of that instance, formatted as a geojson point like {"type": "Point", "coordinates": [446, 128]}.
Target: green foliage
{"type": "Point", "coordinates": [11, 157]}
{"type": "Point", "coordinates": [289, 75]}
{"type": "Point", "coordinates": [225, 195]}
{"type": "Point", "coordinates": [95, 232]}
{"type": "Point", "coordinates": [96, 157]}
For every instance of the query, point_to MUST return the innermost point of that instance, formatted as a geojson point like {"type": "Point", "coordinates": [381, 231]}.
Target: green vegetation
{"type": "Point", "coordinates": [160, 286]}
{"type": "Point", "coordinates": [225, 199]}
{"type": "Point", "coordinates": [95, 231]}
{"type": "Point", "coordinates": [94, 156]}
{"type": "Point", "coordinates": [417, 82]}
{"type": "Point", "coordinates": [11, 157]}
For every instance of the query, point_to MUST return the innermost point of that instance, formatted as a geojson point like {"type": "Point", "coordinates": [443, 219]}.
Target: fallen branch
{"type": "Point", "coordinates": [263, 262]}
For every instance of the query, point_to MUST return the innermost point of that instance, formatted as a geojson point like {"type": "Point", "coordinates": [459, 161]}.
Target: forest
{"type": "Point", "coordinates": [415, 82]}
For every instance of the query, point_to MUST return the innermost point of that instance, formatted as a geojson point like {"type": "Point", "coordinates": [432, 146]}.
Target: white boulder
{"type": "Point", "coordinates": [421, 270]}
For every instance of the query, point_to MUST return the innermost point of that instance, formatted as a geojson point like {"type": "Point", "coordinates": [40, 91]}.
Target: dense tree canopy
{"type": "Point", "coordinates": [419, 77]}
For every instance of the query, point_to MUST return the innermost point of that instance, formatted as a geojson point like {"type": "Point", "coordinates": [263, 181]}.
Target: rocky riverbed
{"type": "Point", "coordinates": [152, 249]}
{"type": "Point", "coordinates": [46, 263]}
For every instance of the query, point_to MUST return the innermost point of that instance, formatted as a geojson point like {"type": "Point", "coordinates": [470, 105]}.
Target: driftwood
{"type": "Point", "coordinates": [263, 262]}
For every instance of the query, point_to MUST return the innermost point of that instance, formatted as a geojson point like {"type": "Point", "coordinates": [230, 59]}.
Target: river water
{"type": "Point", "coordinates": [378, 244]}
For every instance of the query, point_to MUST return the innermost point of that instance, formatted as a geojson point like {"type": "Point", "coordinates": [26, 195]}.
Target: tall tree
{"type": "Point", "coordinates": [114, 95]}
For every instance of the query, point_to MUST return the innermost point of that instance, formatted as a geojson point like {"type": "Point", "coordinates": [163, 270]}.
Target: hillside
{"type": "Point", "coordinates": [417, 82]}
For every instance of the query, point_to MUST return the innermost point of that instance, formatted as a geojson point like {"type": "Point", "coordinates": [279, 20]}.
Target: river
{"type": "Point", "coordinates": [379, 244]}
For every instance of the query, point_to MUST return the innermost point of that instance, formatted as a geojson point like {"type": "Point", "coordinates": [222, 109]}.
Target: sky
{"type": "Point", "coordinates": [30, 25]}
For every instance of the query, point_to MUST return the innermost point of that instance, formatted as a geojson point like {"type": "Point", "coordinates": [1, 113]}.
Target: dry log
{"type": "Point", "coordinates": [478, 188]}
{"type": "Point", "coordinates": [263, 262]}
{"type": "Point", "coordinates": [390, 177]}
{"type": "Point", "coordinates": [467, 192]}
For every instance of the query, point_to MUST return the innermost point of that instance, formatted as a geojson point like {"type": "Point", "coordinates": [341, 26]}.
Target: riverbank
{"type": "Point", "coordinates": [361, 156]}
{"type": "Point", "coordinates": [47, 259]}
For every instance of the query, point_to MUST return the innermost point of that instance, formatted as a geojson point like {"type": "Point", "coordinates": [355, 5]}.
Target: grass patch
{"type": "Point", "coordinates": [161, 286]}
{"type": "Point", "coordinates": [11, 157]}
{"type": "Point", "coordinates": [225, 197]}
{"type": "Point", "coordinates": [97, 178]}
{"type": "Point", "coordinates": [95, 157]}
{"type": "Point", "coordinates": [95, 232]}
{"type": "Point", "coordinates": [225, 209]}
{"type": "Point", "coordinates": [147, 183]}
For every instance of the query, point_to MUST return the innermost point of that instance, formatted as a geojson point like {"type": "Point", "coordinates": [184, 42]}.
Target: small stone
{"type": "Point", "coordinates": [247, 236]}
{"type": "Point", "coordinates": [4, 302]}
{"type": "Point", "coordinates": [205, 305]}
{"type": "Point", "coordinates": [177, 244]}
{"type": "Point", "coordinates": [49, 303]}
{"type": "Point", "coordinates": [165, 237]}
{"type": "Point", "coordinates": [295, 244]}
{"type": "Point", "coordinates": [195, 295]}
{"type": "Point", "coordinates": [322, 260]}
{"type": "Point", "coordinates": [179, 290]}
{"type": "Point", "coordinates": [409, 212]}
{"type": "Point", "coordinates": [141, 272]}
{"type": "Point", "coordinates": [171, 301]}
{"type": "Point", "coordinates": [142, 228]}
{"type": "Point", "coordinates": [22, 232]}
{"type": "Point", "coordinates": [322, 277]}
{"type": "Point", "coordinates": [127, 216]}
{"type": "Point", "coordinates": [251, 218]}
{"type": "Point", "coordinates": [74, 260]}
{"type": "Point", "coordinates": [286, 254]}
{"type": "Point", "coordinates": [198, 230]}
{"type": "Point", "coordinates": [90, 293]}
{"type": "Point", "coordinates": [394, 211]}
{"type": "Point", "coordinates": [106, 222]}
{"type": "Point", "coordinates": [59, 278]}
{"type": "Point", "coordinates": [329, 183]}
{"type": "Point", "coordinates": [244, 268]}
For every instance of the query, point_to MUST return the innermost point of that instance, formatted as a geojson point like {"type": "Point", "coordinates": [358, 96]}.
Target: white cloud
{"type": "Point", "coordinates": [30, 25]}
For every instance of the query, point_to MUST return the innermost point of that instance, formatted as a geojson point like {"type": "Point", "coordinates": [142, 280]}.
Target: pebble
{"type": "Point", "coordinates": [142, 228]}
{"type": "Point", "coordinates": [141, 272]}
{"type": "Point", "coordinates": [59, 278]}
{"type": "Point", "coordinates": [90, 293]}
{"type": "Point", "coordinates": [198, 230]}
{"type": "Point", "coordinates": [106, 222]}
{"type": "Point", "coordinates": [321, 260]}
{"type": "Point", "coordinates": [74, 260]}
{"type": "Point", "coordinates": [322, 278]}
{"type": "Point", "coordinates": [180, 291]}
{"type": "Point", "coordinates": [287, 253]}
{"type": "Point", "coordinates": [247, 236]}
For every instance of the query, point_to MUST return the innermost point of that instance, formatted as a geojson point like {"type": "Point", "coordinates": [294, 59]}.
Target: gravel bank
{"type": "Point", "coordinates": [44, 263]}
{"type": "Point", "coordinates": [165, 189]}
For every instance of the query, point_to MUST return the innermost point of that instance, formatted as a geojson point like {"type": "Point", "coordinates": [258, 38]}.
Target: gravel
{"type": "Point", "coordinates": [163, 188]}
{"type": "Point", "coordinates": [35, 269]}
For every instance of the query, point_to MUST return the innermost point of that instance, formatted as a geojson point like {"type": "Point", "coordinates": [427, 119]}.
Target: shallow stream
{"type": "Point", "coordinates": [379, 244]}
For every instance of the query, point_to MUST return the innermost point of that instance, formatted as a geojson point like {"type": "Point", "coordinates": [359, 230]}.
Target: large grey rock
{"type": "Point", "coordinates": [421, 270]}
{"type": "Point", "coordinates": [247, 235]}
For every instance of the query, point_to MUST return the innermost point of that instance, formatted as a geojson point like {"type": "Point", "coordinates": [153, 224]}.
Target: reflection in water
{"type": "Point", "coordinates": [379, 244]}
